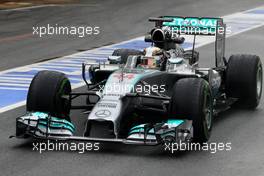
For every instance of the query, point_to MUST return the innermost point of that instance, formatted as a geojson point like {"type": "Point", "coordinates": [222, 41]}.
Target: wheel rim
{"type": "Point", "coordinates": [259, 82]}
{"type": "Point", "coordinates": [207, 111]}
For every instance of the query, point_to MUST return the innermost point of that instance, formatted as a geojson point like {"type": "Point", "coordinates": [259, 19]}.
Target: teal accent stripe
{"type": "Point", "coordinates": [175, 122]}
{"type": "Point", "coordinates": [54, 121]}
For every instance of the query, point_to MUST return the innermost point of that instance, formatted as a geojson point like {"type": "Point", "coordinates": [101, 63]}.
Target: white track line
{"type": "Point", "coordinates": [13, 88]}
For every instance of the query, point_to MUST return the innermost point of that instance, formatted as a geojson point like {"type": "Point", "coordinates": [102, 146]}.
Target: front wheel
{"type": "Point", "coordinates": [192, 100]}
{"type": "Point", "coordinates": [46, 94]}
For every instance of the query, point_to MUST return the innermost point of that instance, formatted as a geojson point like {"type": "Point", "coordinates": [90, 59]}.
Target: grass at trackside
{"type": "Point", "coordinates": [10, 4]}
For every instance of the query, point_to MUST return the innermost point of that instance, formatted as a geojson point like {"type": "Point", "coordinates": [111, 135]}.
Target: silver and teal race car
{"type": "Point", "coordinates": [148, 97]}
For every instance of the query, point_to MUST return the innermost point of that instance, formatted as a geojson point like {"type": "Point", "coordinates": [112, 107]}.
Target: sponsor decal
{"type": "Point", "coordinates": [106, 105]}
{"type": "Point", "coordinates": [113, 95]}
{"type": "Point", "coordinates": [103, 113]}
{"type": "Point", "coordinates": [124, 76]}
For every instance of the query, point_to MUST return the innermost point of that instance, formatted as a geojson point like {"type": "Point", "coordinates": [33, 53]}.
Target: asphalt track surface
{"type": "Point", "coordinates": [122, 20]}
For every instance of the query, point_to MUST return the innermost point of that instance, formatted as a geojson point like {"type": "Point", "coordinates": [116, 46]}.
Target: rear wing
{"type": "Point", "coordinates": [209, 26]}
{"type": "Point", "coordinates": [194, 25]}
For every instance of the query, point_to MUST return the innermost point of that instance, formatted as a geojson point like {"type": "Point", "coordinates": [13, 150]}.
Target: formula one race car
{"type": "Point", "coordinates": [147, 97]}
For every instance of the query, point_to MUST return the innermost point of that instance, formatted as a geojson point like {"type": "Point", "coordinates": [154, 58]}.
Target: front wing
{"type": "Point", "coordinates": [40, 125]}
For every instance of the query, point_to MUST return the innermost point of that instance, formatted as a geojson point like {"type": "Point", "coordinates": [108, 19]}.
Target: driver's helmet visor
{"type": "Point", "coordinates": [150, 62]}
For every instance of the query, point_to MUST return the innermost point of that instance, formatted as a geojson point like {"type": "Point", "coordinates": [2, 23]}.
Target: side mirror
{"type": "Point", "coordinates": [114, 59]}
{"type": "Point", "coordinates": [176, 60]}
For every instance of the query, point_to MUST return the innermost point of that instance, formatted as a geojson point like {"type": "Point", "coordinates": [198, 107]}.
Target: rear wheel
{"type": "Point", "coordinates": [244, 79]}
{"type": "Point", "coordinates": [46, 94]}
{"type": "Point", "coordinates": [124, 53]}
{"type": "Point", "coordinates": [192, 99]}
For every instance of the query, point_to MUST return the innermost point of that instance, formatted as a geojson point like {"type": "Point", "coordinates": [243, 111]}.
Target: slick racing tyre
{"type": "Point", "coordinates": [244, 79]}
{"type": "Point", "coordinates": [124, 53]}
{"type": "Point", "coordinates": [45, 94]}
{"type": "Point", "coordinates": [192, 100]}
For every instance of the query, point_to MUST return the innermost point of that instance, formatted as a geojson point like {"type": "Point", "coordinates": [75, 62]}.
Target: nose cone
{"type": "Point", "coordinates": [105, 113]}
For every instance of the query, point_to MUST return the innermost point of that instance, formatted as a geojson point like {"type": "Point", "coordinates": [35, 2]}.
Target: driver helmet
{"type": "Point", "coordinates": [152, 51]}
{"type": "Point", "coordinates": [151, 57]}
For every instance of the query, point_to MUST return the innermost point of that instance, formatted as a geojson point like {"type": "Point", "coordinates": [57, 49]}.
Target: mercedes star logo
{"type": "Point", "coordinates": [103, 113]}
